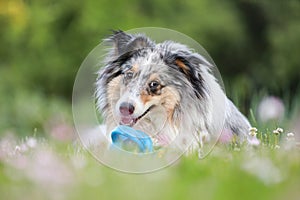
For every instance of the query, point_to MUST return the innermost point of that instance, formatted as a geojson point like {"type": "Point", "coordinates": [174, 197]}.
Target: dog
{"type": "Point", "coordinates": [164, 89]}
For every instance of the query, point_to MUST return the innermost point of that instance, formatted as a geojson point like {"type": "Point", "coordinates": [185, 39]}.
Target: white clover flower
{"type": "Point", "coordinates": [278, 131]}
{"type": "Point", "coordinates": [252, 140]}
{"type": "Point", "coordinates": [252, 131]}
{"type": "Point", "coordinates": [290, 135]}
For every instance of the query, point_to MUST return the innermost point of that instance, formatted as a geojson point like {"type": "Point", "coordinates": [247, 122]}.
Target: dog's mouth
{"type": "Point", "coordinates": [131, 121]}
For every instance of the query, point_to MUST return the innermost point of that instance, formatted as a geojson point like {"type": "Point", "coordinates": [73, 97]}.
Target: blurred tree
{"type": "Point", "coordinates": [254, 44]}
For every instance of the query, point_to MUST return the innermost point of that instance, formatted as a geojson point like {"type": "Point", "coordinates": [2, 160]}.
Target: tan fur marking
{"type": "Point", "coordinates": [113, 95]}
{"type": "Point", "coordinates": [170, 98]}
{"type": "Point", "coordinates": [113, 89]}
{"type": "Point", "coordinates": [135, 68]}
{"type": "Point", "coordinates": [180, 64]}
{"type": "Point", "coordinates": [145, 97]}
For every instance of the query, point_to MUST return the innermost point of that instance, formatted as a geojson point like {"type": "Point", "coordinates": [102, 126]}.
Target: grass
{"type": "Point", "coordinates": [48, 164]}
{"type": "Point", "coordinates": [35, 168]}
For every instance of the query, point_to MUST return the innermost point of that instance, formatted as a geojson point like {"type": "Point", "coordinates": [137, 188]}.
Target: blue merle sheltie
{"type": "Point", "coordinates": [164, 89]}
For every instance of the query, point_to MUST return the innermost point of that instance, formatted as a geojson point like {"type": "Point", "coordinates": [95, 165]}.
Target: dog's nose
{"type": "Point", "coordinates": [126, 108]}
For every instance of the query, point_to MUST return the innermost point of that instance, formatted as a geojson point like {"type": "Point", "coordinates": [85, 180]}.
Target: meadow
{"type": "Point", "coordinates": [255, 45]}
{"type": "Point", "coordinates": [39, 168]}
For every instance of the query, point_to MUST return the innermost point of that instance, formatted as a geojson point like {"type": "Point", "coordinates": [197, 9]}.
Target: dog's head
{"type": "Point", "coordinates": [145, 85]}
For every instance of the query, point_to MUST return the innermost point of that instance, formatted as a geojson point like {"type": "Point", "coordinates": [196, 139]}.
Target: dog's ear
{"type": "Point", "coordinates": [124, 46]}
{"type": "Point", "coordinates": [120, 41]}
{"type": "Point", "coordinates": [190, 65]}
{"type": "Point", "coordinates": [123, 42]}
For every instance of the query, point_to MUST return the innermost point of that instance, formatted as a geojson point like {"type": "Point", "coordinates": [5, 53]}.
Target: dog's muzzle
{"type": "Point", "coordinates": [126, 113]}
{"type": "Point", "coordinates": [126, 108]}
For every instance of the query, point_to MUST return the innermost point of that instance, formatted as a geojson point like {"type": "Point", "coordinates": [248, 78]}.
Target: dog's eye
{"type": "Point", "coordinates": [153, 85]}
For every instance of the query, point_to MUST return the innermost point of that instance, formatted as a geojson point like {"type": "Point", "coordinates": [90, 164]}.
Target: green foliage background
{"type": "Point", "coordinates": [255, 44]}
